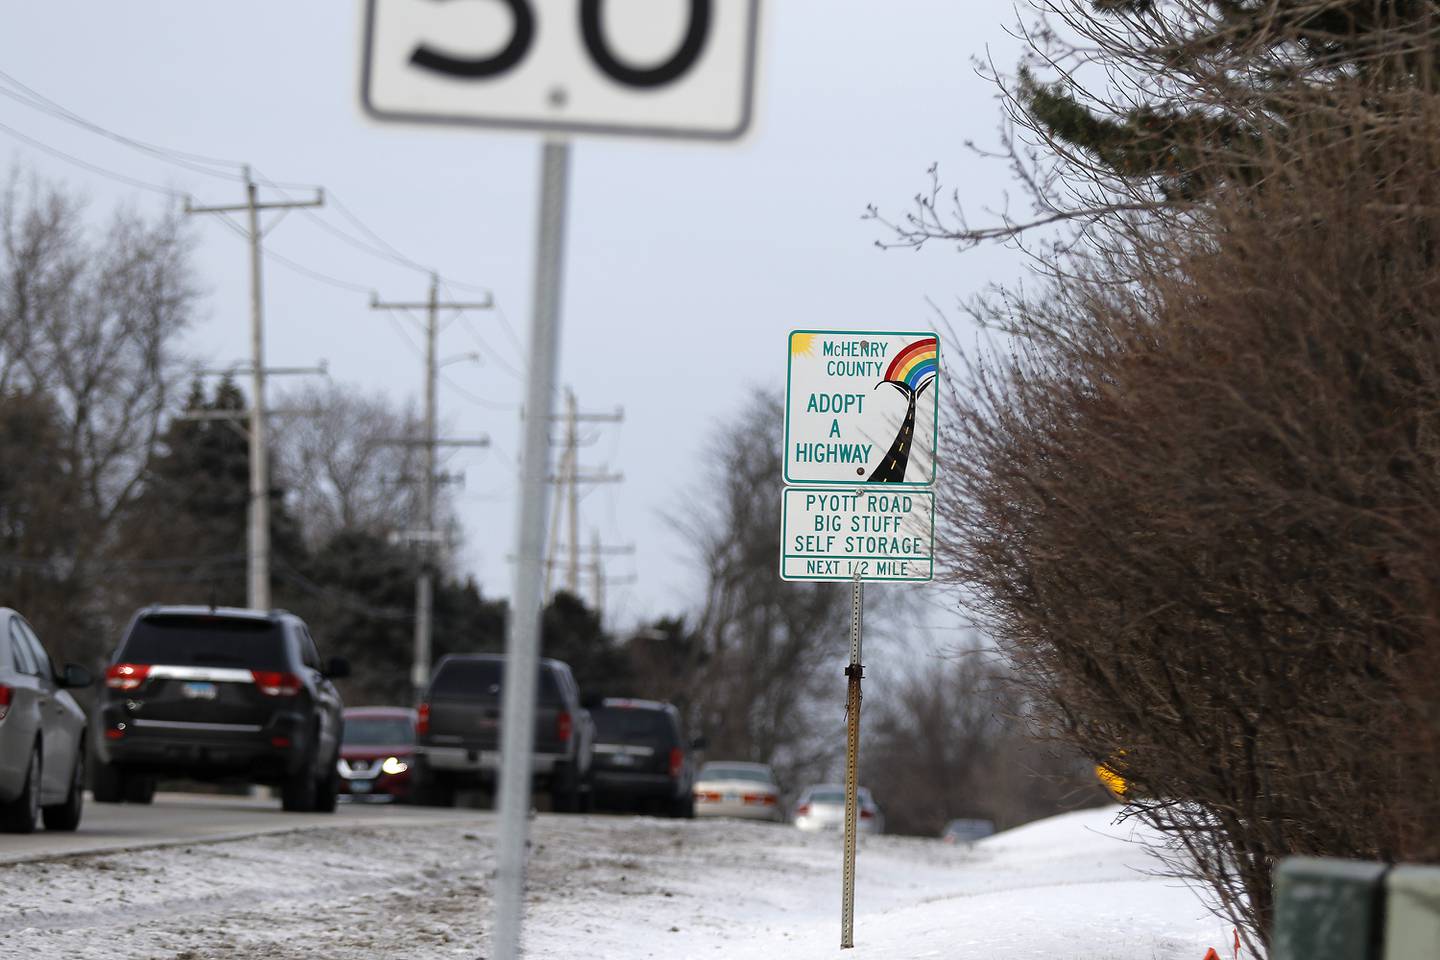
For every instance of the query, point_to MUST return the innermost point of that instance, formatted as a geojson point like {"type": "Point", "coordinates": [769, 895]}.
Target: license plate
{"type": "Point", "coordinates": [732, 798]}
{"type": "Point", "coordinates": [361, 786]}
{"type": "Point", "coordinates": [198, 691]}
{"type": "Point", "coordinates": [622, 760]}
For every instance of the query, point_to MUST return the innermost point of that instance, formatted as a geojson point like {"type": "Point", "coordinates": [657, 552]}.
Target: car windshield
{"type": "Point", "coordinates": [719, 771]}
{"type": "Point", "coordinates": [481, 678]}
{"type": "Point", "coordinates": [206, 641]}
{"type": "Point", "coordinates": [627, 725]}
{"type": "Point", "coordinates": [379, 731]}
{"type": "Point", "coordinates": [828, 796]}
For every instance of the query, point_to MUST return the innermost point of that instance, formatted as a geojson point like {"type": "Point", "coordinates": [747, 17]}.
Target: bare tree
{"type": "Point", "coordinates": [953, 738]}
{"type": "Point", "coordinates": [763, 644]}
{"type": "Point", "coordinates": [89, 320]}
{"type": "Point", "coordinates": [347, 462]}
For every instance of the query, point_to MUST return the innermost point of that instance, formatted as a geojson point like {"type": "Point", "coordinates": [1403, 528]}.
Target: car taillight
{"type": "Point", "coordinates": [866, 814]}
{"type": "Point", "coordinates": [760, 799]}
{"type": "Point", "coordinates": [273, 683]}
{"type": "Point", "coordinates": [422, 720]}
{"type": "Point", "coordinates": [5, 694]}
{"type": "Point", "coordinates": [803, 810]}
{"type": "Point", "coordinates": [677, 760]}
{"type": "Point", "coordinates": [563, 726]}
{"type": "Point", "coordinates": [707, 796]}
{"type": "Point", "coordinates": [126, 676]}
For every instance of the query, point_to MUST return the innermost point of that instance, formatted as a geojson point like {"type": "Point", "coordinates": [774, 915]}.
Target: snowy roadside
{"type": "Point", "coordinates": [604, 888]}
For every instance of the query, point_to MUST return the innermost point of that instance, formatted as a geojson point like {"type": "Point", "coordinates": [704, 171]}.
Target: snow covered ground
{"type": "Point", "coordinates": [1070, 888]}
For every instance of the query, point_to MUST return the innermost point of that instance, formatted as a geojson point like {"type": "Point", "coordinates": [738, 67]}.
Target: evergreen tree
{"type": "Point", "coordinates": [1195, 87]}
{"type": "Point", "coordinates": [185, 538]}
{"type": "Point", "coordinates": [572, 632]}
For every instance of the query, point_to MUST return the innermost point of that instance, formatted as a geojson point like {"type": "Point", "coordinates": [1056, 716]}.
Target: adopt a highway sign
{"type": "Point", "coordinates": [860, 407]}
{"type": "Point", "coordinates": [878, 533]}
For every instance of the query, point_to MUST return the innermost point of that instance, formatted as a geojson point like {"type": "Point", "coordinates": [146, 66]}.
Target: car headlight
{"type": "Point", "coordinates": [394, 765]}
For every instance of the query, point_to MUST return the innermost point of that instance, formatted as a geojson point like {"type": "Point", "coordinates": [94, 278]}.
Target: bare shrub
{"type": "Point", "coordinates": [1199, 503]}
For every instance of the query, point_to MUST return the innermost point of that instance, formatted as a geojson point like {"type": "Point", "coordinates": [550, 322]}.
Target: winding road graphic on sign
{"type": "Point", "coordinates": [912, 370]}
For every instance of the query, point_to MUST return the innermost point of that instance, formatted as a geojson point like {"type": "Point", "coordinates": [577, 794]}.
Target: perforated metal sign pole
{"type": "Point", "coordinates": [852, 760]}
{"type": "Point", "coordinates": [522, 642]}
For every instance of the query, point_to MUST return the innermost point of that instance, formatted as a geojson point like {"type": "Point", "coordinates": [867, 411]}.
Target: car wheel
{"type": "Point", "coordinates": [565, 793]}
{"type": "Point", "coordinates": [297, 794]}
{"type": "Point", "coordinates": [66, 816]}
{"type": "Point", "coordinates": [327, 787]}
{"type": "Point", "coordinates": [139, 789]}
{"type": "Point", "coordinates": [683, 808]}
{"type": "Point", "coordinates": [107, 783]}
{"type": "Point", "coordinates": [427, 789]}
{"type": "Point", "coordinates": [20, 814]}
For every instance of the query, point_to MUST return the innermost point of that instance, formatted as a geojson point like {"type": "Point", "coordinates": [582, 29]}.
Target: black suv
{"type": "Point", "coordinates": [219, 694]}
{"type": "Point", "coordinates": [642, 757]}
{"type": "Point", "coordinates": [457, 732]}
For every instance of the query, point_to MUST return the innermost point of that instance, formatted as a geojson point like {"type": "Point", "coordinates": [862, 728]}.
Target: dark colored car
{"type": "Point", "coordinates": [376, 753]}
{"type": "Point", "coordinates": [457, 728]}
{"type": "Point", "coordinates": [219, 694]}
{"type": "Point", "coordinates": [642, 757]}
{"type": "Point", "coordinates": [42, 733]}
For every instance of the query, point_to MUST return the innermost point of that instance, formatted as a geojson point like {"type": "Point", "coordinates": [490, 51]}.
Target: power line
{"type": "Point", "coordinates": [29, 96]}
{"type": "Point", "coordinates": [92, 167]}
{"type": "Point", "coordinates": [202, 164]}
{"type": "Point", "coordinates": [445, 378]}
{"type": "Point", "coordinates": [490, 351]}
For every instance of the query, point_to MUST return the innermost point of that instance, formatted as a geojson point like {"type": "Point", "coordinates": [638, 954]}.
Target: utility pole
{"type": "Point", "coordinates": [572, 441]}
{"type": "Point", "coordinates": [568, 478]}
{"type": "Point", "coordinates": [428, 535]}
{"type": "Point", "coordinates": [258, 551]}
{"type": "Point", "coordinates": [597, 574]}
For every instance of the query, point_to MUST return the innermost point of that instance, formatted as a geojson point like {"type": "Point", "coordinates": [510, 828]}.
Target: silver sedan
{"type": "Point", "coordinates": [42, 733]}
{"type": "Point", "coordinates": [822, 807]}
{"type": "Point", "coordinates": [734, 789]}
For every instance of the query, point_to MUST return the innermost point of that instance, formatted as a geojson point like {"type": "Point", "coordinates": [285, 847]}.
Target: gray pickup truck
{"type": "Point", "coordinates": [457, 732]}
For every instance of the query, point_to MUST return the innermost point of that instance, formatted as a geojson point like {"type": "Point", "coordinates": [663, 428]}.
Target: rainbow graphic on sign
{"type": "Point", "coordinates": [913, 364]}
{"type": "Point", "coordinates": [913, 369]}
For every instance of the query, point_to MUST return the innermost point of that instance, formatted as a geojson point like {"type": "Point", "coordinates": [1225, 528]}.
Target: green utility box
{"type": "Point", "coordinates": [1330, 910]}
{"type": "Point", "coordinates": [1412, 913]}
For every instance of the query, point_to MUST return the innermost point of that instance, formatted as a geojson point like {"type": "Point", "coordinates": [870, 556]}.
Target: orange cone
{"type": "Point", "coordinates": [1211, 955]}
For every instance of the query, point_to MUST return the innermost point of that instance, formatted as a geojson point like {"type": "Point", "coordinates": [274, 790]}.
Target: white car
{"type": "Point", "coordinates": [735, 789]}
{"type": "Point", "coordinates": [822, 807]}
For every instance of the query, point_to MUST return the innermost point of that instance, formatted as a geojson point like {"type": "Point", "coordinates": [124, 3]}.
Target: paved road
{"type": "Point", "coordinates": [178, 818]}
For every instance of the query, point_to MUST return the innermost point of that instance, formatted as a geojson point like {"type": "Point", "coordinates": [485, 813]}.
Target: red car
{"type": "Point", "coordinates": [377, 752]}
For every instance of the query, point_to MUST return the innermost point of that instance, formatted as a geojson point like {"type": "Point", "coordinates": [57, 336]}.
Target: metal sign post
{"type": "Point", "coordinates": [541, 68]}
{"type": "Point", "coordinates": [522, 640]}
{"type": "Point", "coordinates": [852, 762]}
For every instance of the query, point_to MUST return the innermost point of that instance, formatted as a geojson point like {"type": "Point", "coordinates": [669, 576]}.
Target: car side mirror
{"type": "Point", "coordinates": [73, 676]}
{"type": "Point", "coordinates": [698, 743]}
{"type": "Point", "coordinates": [337, 668]}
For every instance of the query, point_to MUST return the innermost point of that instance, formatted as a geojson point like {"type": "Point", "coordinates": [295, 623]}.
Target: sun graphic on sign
{"type": "Point", "coordinates": [802, 344]}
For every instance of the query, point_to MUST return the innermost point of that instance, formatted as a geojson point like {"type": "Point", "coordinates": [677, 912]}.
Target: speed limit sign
{"type": "Point", "coordinates": [676, 68]}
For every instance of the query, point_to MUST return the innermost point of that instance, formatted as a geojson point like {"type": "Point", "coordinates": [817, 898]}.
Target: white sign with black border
{"type": "Point", "coordinates": [674, 68]}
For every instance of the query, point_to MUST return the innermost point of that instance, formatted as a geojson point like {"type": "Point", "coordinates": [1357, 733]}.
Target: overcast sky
{"type": "Point", "coordinates": [686, 264]}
